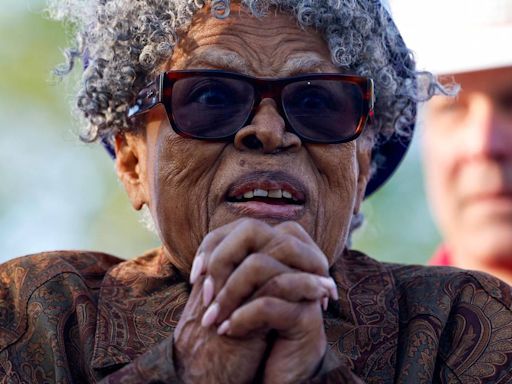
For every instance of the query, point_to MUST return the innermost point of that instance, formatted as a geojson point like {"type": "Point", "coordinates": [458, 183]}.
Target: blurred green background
{"type": "Point", "coordinates": [58, 193]}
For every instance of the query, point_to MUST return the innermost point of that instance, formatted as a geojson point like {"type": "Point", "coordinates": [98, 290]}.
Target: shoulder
{"type": "Point", "coordinates": [455, 323]}
{"type": "Point", "coordinates": [26, 273]}
{"type": "Point", "coordinates": [23, 278]}
{"type": "Point", "coordinates": [469, 311]}
{"type": "Point", "coordinates": [450, 283]}
{"type": "Point", "coordinates": [418, 283]}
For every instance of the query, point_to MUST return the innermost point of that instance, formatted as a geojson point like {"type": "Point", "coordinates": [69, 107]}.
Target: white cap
{"type": "Point", "coordinates": [454, 36]}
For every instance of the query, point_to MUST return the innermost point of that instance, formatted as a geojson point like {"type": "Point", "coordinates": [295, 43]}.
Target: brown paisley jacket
{"type": "Point", "coordinates": [84, 317]}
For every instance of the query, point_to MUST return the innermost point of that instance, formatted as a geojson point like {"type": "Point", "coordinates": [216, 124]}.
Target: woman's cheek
{"type": "Point", "coordinates": [338, 175]}
{"type": "Point", "coordinates": [182, 179]}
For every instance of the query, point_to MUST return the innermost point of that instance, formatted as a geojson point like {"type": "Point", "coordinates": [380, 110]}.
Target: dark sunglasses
{"type": "Point", "coordinates": [215, 105]}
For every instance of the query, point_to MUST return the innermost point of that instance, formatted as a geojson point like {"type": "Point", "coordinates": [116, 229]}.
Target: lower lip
{"type": "Point", "coordinates": [262, 210]}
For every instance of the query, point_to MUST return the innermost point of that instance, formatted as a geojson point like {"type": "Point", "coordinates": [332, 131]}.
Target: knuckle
{"type": "Point", "coordinates": [209, 239]}
{"type": "Point", "coordinates": [245, 226]}
{"type": "Point", "coordinates": [248, 222]}
{"type": "Point", "coordinates": [265, 304]}
{"type": "Point", "coordinates": [285, 244]}
{"type": "Point", "coordinates": [256, 263]}
{"type": "Point", "coordinates": [323, 264]}
{"type": "Point", "coordinates": [291, 227]}
{"type": "Point", "coordinates": [216, 268]}
{"type": "Point", "coordinates": [292, 244]}
{"type": "Point", "coordinates": [217, 265]}
{"type": "Point", "coordinates": [308, 280]}
{"type": "Point", "coordinates": [225, 296]}
{"type": "Point", "coordinates": [317, 262]}
{"type": "Point", "coordinates": [274, 285]}
{"type": "Point", "coordinates": [252, 224]}
{"type": "Point", "coordinates": [241, 221]}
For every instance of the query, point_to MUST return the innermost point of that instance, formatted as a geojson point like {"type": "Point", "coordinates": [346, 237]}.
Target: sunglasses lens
{"type": "Point", "coordinates": [209, 107]}
{"type": "Point", "coordinates": [323, 111]}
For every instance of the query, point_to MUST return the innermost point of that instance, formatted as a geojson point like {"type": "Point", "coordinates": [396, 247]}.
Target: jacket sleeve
{"type": "Point", "coordinates": [332, 371]}
{"type": "Point", "coordinates": [154, 366]}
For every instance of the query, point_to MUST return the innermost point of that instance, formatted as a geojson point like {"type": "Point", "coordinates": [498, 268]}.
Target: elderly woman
{"type": "Point", "coordinates": [252, 133]}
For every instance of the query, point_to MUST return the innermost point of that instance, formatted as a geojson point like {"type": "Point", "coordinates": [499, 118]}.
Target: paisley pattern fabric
{"type": "Point", "coordinates": [83, 317]}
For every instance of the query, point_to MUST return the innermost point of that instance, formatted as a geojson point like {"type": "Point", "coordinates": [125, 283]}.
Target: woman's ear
{"type": "Point", "coordinates": [364, 159]}
{"type": "Point", "coordinates": [131, 167]}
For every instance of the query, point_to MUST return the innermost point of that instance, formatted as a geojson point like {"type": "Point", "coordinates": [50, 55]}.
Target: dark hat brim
{"type": "Point", "coordinates": [387, 157]}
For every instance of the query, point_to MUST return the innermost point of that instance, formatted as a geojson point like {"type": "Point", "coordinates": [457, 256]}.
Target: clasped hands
{"type": "Point", "coordinates": [255, 310]}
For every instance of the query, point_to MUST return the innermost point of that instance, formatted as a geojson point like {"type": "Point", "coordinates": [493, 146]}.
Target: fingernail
{"type": "Point", "coordinates": [207, 291]}
{"type": "Point", "coordinates": [327, 282]}
{"type": "Point", "coordinates": [325, 303]}
{"type": "Point", "coordinates": [224, 327]}
{"type": "Point", "coordinates": [197, 267]}
{"type": "Point", "coordinates": [330, 285]}
{"type": "Point", "coordinates": [210, 315]}
{"type": "Point", "coordinates": [334, 293]}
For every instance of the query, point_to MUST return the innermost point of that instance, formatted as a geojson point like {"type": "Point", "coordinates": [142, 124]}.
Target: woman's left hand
{"type": "Point", "coordinates": [272, 280]}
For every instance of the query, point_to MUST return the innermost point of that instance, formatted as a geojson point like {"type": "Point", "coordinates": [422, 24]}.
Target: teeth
{"type": "Point", "coordinates": [275, 193]}
{"type": "Point", "coordinates": [260, 193]}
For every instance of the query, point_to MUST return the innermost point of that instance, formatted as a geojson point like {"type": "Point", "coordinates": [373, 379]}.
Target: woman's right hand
{"type": "Point", "coordinates": [203, 356]}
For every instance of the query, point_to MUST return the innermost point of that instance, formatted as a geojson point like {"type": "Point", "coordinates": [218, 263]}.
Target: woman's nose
{"type": "Point", "coordinates": [489, 128]}
{"type": "Point", "coordinates": [267, 132]}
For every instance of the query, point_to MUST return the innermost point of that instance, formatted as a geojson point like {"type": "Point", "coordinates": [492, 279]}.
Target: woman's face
{"type": "Point", "coordinates": [191, 185]}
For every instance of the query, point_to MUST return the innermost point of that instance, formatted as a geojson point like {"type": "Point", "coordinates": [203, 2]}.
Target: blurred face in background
{"type": "Point", "coordinates": [468, 162]}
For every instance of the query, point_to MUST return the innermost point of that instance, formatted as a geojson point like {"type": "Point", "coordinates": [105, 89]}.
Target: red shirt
{"type": "Point", "coordinates": [441, 258]}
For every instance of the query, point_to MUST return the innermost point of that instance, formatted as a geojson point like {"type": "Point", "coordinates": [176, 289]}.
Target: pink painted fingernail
{"type": "Point", "coordinates": [207, 291]}
{"type": "Point", "coordinates": [210, 315]}
{"type": "Point", "coordinates": [334, 292]}
{"type": "Point", "coordinates": [325, 303]}
{"type": "Point", "coordinates": [329, 284]}
{"type": "Point", "coordinates": [197, 267]}
{"type": "Point", "coordinates": [224, 327]}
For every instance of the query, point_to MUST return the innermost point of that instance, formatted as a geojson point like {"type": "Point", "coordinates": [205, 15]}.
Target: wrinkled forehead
{"type": "Point", "coordinates": [270, 46]}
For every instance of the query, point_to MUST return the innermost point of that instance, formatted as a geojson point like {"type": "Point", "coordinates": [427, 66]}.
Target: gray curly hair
{"type": "Point", "coordinates": [124, 43]}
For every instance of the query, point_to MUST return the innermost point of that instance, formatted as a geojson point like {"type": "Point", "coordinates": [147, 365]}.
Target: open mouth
{"type": "Point", "coordinates": [273, 194]}
{"type": "Point", "coordinates": [268, 196]}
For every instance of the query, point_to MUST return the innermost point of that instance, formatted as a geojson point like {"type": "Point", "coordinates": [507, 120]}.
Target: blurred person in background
{"type": "Point", "coordinates": [467, 140]}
